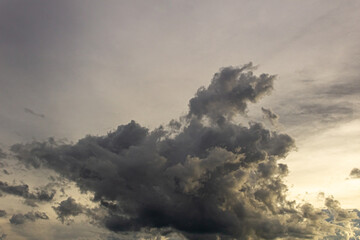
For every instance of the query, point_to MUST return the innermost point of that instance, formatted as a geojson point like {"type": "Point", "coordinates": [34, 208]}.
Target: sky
{"type": "Point", "coordinates": [118, 117]}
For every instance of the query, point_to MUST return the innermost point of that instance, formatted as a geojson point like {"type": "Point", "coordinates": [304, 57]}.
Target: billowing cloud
{"type": "Point", "coordinates": [68, 208]}
{"type": "Point", "coordinates": [338, 214]}
{"type": "Point", "coordinates": [348, 88]}
{"type": "Point", "coordinates": [22, 190]}
{"type": "Point", "coordinates": [229, 92]}
{"type": "Point", "coordinates": [355, 173]}
{"type": "Point", "coordinates": [203, 176]}
{"type": "Point", "coordinates": [20, 218]}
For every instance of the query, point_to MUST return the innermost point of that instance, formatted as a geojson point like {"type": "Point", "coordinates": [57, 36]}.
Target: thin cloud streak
{"type": "Point", "coordinates": [28, 110]}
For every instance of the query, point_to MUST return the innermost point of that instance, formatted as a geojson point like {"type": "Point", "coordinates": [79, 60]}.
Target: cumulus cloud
{"type": "Point", "coordinates": [355, 173]}
{"type": "Point", "coordinates": [203, 176]}
{"type": "Point", "coordinates": [18, 219]}
{"type": "Point", "coordinates": [230, 91]}
{"type": "Point", "coordinates": [337, 213]}
{"type": "Point", "coordinates": [68, 208]}
{"type": "Point", "coordinates": [22, 190]}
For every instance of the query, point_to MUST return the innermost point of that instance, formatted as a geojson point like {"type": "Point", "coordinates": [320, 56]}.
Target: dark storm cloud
{"type": "Point", "coordinates": [205, 179]}
{"type": "Point", "coordinates": [229, 92]}
{"type": "Point", "coordinates": [355, 173]}
{"type": "Point", "coordinates": [20, 218]}
{"type": "Point", "coordinates": [68, 208]}
{"type": "Point", "coordinates": [22, 190]}
{"type": "Point", "coordinates": [28, 110]}
{"type": "Point", "coordinates": [270, 115]}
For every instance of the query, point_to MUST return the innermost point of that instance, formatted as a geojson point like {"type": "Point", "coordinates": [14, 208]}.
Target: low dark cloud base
{"type": "Point", "coordinates": [204, 175]}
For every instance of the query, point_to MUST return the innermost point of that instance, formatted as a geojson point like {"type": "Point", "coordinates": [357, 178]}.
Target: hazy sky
{"type": "Point", "coordinates": [69, 69]}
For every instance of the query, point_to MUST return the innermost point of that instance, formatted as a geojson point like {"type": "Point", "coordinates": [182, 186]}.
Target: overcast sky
{"type": "Point", "coordinates": [70, 69]}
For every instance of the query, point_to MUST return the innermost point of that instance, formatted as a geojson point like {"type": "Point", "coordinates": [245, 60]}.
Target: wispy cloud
{"type": "Point", "coordinates": [28, 110]}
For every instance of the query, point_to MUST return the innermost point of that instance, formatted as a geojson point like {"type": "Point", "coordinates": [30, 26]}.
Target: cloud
{"type": "Point", "coordinates": [205, 177]}
{"type": "Point", "coordinates": [270, 115]}
{"type": "Point", "coordinates": [22, 190]}
{"type": "Point", "coordinates": [337, 213]}
{"type": "Point", "coordinates": [349, 88]}
{"type": "Point", "coordinates": [68, 208]}
{"type": "Point", "coordinates": [3, 213]}
{"type": "Point", "coordinates": [2, 154]}
{"type": "Point", "coordinates": [28, 110]}
{"type": "Point", "coordinates": [18, 219]}
{"type": "Point", "coordinates": [355, 173]}
{"type": "Point", "coordinates": [229, 92]}
{"type": "Point", "coordinates": [327, 112]}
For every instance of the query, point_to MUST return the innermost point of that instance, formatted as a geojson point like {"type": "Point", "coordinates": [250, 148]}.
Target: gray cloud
{"type": "Point", "coordinates": [270, 115]}
{"type": "Point", "coordinates": [3, 213]}
{"type": "Point", "coordinates": [229, 92]}
{"type": "Point", "coordinates": [337, 213]}
{"type": "Point", "coordinates": [355, 173]}
{"type": "Point", "coordinates": [2, 154]}
{"type": "Point", "coordinates": [205, 179]}
{"type": "Point", "coordinates": [28, 110]}
{"type": "Point", "coordinates": [313, 109]}
{"type": "Point", "coordinates": [18, 219]}
{"type": "Point", "coordinates": [327, 112]}
{"type": "Point", "coordinates": [68, 208]}
{"type": "Point", "coordinates": [348, 88]}
{"type": "Point", "coordinates": [22, 190]}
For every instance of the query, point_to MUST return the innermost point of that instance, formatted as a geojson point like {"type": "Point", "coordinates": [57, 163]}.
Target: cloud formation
{"type": "Point", "coordinates": [22, 190]}
{"type": "Point", "coordinates": [18, 219]}
{"type": "Point", "coordinates": [68, 208]}
{"type": "Point", "coordinates": [204, 176]}
{"type": "Point", "coordinates": [229, 93]}
{"type": "Point", "coordinates": [270, 115]}
{"type": "Point", "coordinates": [3, 213]}
{"type": "Point", "coordinates": [355, 173]}
{"type": "Point", "coordinates": [2, 154]}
